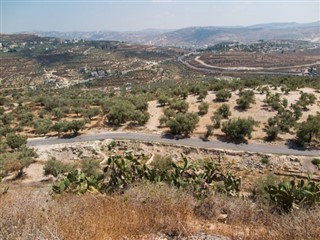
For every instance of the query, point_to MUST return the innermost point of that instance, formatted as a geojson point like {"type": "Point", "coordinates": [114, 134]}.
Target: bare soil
{"type": "Point", "coordinates": [259, 111]}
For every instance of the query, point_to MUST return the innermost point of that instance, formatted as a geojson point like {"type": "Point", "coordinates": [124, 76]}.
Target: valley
{"type": "Point", "coordinates": [196, 133]}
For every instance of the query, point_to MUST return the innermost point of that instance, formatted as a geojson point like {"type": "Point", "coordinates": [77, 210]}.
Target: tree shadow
{"type": "Point", "coordinates": [220, 101]}
{"type": "Point", "coordinates": [169, 135]}
{"type": "Point", "coordinates": [239, 109]}
{"type": "Point", "coordinates": [204, 139]}
{"type": "Point", "coordinates": [265, 107]}
{"type": "Point", "coordinates": [292, 144]}
{"type": "Point", "coordinates": [269, 139]}
{"type": "Point", "coordinates": [161, 106]}
{"type": "Point", "coordinates": [223, 138]}
{"type": "Point", "coordinates": [69, 135]}
{"type": "Point", "coordinates": [112, 125]}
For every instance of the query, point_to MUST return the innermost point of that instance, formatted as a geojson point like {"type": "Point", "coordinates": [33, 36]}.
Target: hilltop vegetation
{"type": "Point", "coordinates": [31, 61]}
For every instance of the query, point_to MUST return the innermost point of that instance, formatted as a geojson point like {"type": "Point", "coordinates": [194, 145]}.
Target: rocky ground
{"type": "Point", "coordinates": [246, 164]}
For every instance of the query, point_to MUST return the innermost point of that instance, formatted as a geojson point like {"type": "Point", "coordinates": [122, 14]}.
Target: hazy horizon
{"type": "Point", "coordinates": [105, 15]}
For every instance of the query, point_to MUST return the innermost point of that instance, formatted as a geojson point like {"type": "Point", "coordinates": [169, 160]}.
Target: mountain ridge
{"type": "Point", "coordinates": [199, 36]}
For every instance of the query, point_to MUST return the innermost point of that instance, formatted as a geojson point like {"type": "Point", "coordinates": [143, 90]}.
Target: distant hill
{"type": "Point", "coordinates": [285, 25]}
{"type": "Point", "coordinates": [202, 36]}
{"type": "Point", "coordinates": [18, 38]}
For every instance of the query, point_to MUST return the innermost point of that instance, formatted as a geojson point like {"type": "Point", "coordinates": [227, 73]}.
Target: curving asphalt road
{"type": "Point", "coordinates": [192, 142]}
{"type": "Point", "coordinates": [197, 59]}
{"type": "Point", "coordinates": [212, 69]}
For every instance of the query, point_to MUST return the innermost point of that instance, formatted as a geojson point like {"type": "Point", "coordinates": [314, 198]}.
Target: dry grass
{"type": "Point", "coordinates": [253, 221]}
{"type": "Point", "coordinates": [144, 210]}
{"type": "Point", "coordinates": [33, 214]}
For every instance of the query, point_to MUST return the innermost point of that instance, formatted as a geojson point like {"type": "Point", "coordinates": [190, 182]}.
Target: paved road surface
{"type": "Point", "coordinates": [192, 142]}
{"type": "Point", "coordinates": [218, 70]}
{"type": "Point", "coordinates": [197, 59]}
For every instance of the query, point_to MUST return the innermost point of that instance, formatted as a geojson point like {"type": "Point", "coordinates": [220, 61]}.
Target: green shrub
{"type": "Point", "coordinates": [183, 124]}
{"type": "Point", "coordinates": [258, 189]}
{"type": "Point", "coordinates": [162, 163]}
{"type": "Point", "coordinates": [238, 128]}
{"type": "Point", "coordinates": [309, 130]}
{"type": "Point", "coordinates": [91, 167]}
{"type": "Point", "coordinates": [15, 141]}
{"type": "Point", "coordinates": [316, 161]}
{"type": "Point", "coordinates": [78, 182]}
{"type": "Point", "coordinates": [222, 95]}
{"type": "Point", "coordinates": [224, 111]}
{"type": "Point", "coordinates": [203, 108]}
{"type": "Point", "coordinates": [209, 131]}
{"type": "Point", "coordinates": [17, 160]}
{"type": "Point", "coordinates": [121, 172]}
{"type": "Point", "coordinates": [55, 168]}
{"type": "Point", "coordinates": [272, 133]}
{"type": "Point", "coordinates": [216, 120]}
{"type": "Point", "coordinates": [265, 160]}
{"type": "Point", "coordinates": [294, 194]}
{"type": "Point", "coordinates": [245, 99]}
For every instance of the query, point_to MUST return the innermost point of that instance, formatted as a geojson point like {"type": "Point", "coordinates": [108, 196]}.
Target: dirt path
{"type": "Point", "coordinates": [155, 114]}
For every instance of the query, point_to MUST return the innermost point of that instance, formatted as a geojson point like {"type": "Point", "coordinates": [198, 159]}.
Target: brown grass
{"type": "Point", "coordinates": [144, 211]}
{"type": "Point", "coordinates": [253, 221]}
{"type": "Point", "coordinates": [32, 213]}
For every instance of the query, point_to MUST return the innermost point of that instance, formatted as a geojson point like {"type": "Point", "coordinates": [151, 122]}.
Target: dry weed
{"type": "Point", "coordinates": [33, 214]}
{"type": "Point", "coordinates": [144, 210]}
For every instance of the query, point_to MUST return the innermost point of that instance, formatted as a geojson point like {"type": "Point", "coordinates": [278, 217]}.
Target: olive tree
{"type": "Point", "coordinates": [239, 128]}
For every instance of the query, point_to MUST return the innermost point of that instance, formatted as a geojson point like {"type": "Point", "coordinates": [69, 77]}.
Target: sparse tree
{"type": "Point", "coordinates": [222, 95]}
{"type": "Point", "coordinates": [216, 120]}
{"type": "Point", "coordinates": [179, 106]}
{"type": "Point", "coordinates": [238, 128]}
{"type": "Point", "coordinates": [308, 130]}
{"type": "Point", "coordinates": [163, 100]}
{"type": "Point", "coordinates": [183, 124]}
{"type": "Point", "coordinates": [203, 108]}
{"type": "Point", "coordinates": [246, 98]}
{"type": "Point", "coordinates": [209, 131]}
{"type": "Point", "coordinates": [224, 111]}
{"type": "Point", "coordinates": [15, 141]}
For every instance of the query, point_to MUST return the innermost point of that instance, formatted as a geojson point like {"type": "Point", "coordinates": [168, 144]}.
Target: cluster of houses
{"type": "Point", "coordinates": [262, 46]}
{"type": "Point", "coordinates": [15, 46]}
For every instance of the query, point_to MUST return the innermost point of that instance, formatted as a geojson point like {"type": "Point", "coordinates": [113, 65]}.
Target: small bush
{"type": "Point", "coordinates": [316, 161]}
{"type": "Point", "coordinates": [265, 160]}
{"type": "Point", "coordinates": [162, 163]}
{"type": "Point", "coordinates": [259, 186]}
{"type": "Point", "coordinates": [216, 120]}
{"type": "Point", "coordinates": [272, 132]}
{"type": "Point", "coordinates": [55, 167]}
{"type": "Point", "coordinates": [238, 128]}
{"type": "Point", "coordinates": [203, 108]}
{"type": "Point", "coordinates": [224, 111]}
{"type": "Point", "coordinates": [287, 196]}
{"type": "Point", "coordinates": [91, 167]}
{"type": "Point", "coordinates": [209, 131]}
{"type": "Point", "coordinates": [223, 95]}
{"type": "Point", "coordinates": [15, 141]}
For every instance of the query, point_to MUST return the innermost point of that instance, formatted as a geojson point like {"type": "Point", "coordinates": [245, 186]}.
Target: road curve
{"type": "Point", "coordinates": [192, 142]}
{"type": "Point", "coordinates": [219, 70]}
{"type": "Point", "coordinates": [197, 59]}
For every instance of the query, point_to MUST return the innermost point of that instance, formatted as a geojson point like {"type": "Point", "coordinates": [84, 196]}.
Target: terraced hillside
{"type": "Point", "coordinates": [30, 60]}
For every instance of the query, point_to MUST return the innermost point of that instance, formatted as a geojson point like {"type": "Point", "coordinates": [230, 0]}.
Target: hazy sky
{"type": "Point", "coordinates": [81, 15]}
